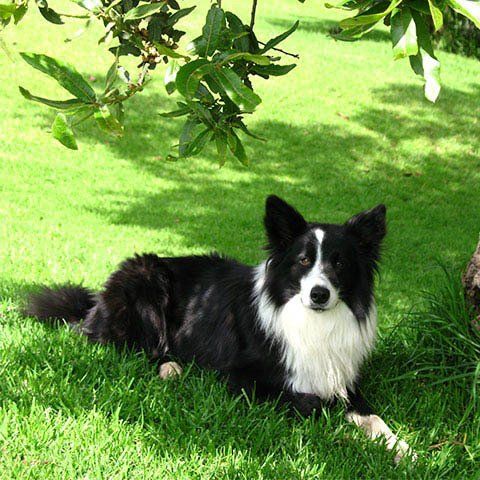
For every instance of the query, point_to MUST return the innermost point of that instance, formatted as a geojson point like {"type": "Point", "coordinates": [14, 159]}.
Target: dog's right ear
{"type": "Point", "coordinates": [283, 224]}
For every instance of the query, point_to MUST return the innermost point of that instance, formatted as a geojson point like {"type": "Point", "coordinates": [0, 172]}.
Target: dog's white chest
{"type": "Point", "coordinates": [322, 352]}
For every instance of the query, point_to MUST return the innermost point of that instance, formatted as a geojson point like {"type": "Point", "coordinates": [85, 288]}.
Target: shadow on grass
{"type": "Point", "coordinates": [376, 155]}
{"type": "Point", "coordinates": [329, 172]}
{"type": "Point", "coordinates": [326, 27]}
{"type": "Point", "coordinates": [453, 118]}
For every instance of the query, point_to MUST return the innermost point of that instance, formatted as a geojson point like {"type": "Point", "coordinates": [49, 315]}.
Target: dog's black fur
{"type": "Point", "coordinates": [204, 308]}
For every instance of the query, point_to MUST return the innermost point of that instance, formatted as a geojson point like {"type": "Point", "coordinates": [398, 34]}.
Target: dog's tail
{"type": "Point", "coordinates": [68, 302]}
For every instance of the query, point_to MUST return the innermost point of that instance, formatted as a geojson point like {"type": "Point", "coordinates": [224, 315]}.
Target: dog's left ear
{"type": "Point", "coordinates": [369, 227]}
{"type": "Point", "coordinates": [283, 224]}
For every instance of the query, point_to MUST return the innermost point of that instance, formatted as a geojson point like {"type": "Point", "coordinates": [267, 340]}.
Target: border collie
{"type": "Point", "coordinates": [296, 327]}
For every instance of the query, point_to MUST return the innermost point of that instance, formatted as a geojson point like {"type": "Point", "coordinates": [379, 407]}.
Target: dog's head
{"type": "Point", "coordinates": [322, 263]}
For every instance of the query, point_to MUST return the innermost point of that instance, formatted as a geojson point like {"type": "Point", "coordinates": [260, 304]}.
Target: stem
{"type": "Point", "coordinates": [294, 55]}
{"type": "Point", "coordinates": [252, 15]}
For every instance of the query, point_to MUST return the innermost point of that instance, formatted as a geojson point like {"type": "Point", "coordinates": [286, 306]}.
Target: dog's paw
{"type": "Point", "coordinates": [169, 370]}
{"type": "Point", "coordinates": [403, 450]}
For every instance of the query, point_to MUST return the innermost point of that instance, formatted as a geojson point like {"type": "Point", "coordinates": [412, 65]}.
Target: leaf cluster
{"type": "Point", "coordinates": [213, 78]}
{"type": "Point", "coordinates": [412, 24]}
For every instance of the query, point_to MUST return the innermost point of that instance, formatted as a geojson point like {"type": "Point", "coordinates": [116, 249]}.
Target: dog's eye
{"type": "Point", "coordinates": [305, 261]}
{"type": "Point", "coordinates": [337, 260]}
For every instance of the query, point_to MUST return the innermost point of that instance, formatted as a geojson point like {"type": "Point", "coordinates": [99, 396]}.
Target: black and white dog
{"type": "Point", "coordinates": [297, 327]}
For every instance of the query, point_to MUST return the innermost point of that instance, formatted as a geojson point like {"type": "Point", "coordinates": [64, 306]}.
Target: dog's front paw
{"type": "Point", "coordinates": [402, 449]}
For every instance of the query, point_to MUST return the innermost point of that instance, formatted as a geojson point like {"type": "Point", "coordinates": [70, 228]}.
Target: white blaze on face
{"type": "Point", "coordinates": [317, 277]}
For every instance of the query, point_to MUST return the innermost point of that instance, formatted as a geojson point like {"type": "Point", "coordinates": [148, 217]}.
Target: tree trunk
{"type": "Point", "coordinates": [471, 283]}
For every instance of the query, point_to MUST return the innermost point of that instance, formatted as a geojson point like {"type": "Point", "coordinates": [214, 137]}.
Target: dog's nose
{"type": "Point", "coordinates": [319, 295]}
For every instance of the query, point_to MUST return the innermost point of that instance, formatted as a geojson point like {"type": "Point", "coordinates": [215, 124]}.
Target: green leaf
{"type": "Point", "coordinates": [173, 19]}
{"type": "Point", "coordinates": [425, 63]}
{"type": "Point", "coordinates": [202, 113]}
{"type": "Point", "coordinates": [221, 144]}
{"type": "Point", "coordinates": [437, 15]}
{"type": "Point", "coordinates": [118, 112]}
{"type": "Point", "coordinates": [169, 52]}
{"type": "Point", "coordinates": [431, 73]}
{"type": "Point", "coordinates": [170, 76]}
{"type": "Point", "coordinates": [237, 92]}
{"type": "Point", "coordinates": [204, 95]}
{"type": "Point", "coordinates": [275, 41]}
{"type": "Point", "coordinates": [245, 130]}
{"type": "Point", "coordinates": [190, 74]}
{"type": "Point", "coordinates": [353, 34]}
{"type": "Point", "coordinates": [274, 70]}
{"type": "Point", "coordinates": [341, 5]}
{"type": "Point", "coordinates": [111, 75]}
{"type": "Point", "coordinates": [206, 45]}
{"type": "Point", "coordinates": [468, 8]}
{"type": "Point", "coordinates": [404, 34]}
{"type": "Point", "coordinates": [108, 122]}
{"type": "Point", "coordinates": [62, 132]}
{"type": "Point", "coordinates": [176, 113]}
{"type": "Point", "coordinates": [197, 144]}
{"type": "Point", "coordinates": [20, 13]}
{"type": "Point", "coordinates": [82, 114]}
{"type": "Point", "coordinates": [71, 104]}
{"type": "Point", "coordinates": [64, 74]}
{"type": "Point", "coordinates": [143, 11]}
{"type": "Point", "coordinates": [7, 11]}
{"type": "Point", "coordinates": [236, 26]}
{"type": "Point", "coordinates": [48, 14]}
{"type": "Point", "coordinates": [370, 17]}
{"type": "Point", "coordinates": [420, 6]}
{"type": "Point", "coordinates": [236, 147]}
{"type": "Point", "coordinates": [186, 136]}
{"type": "Point", "coordinates": [249, 57]}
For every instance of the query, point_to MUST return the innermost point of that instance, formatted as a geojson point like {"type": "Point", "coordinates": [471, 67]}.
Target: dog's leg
{"type": "Point", "coordinates": [130, 310]}
{"type": "Point", "coordinates": [305, 404]}
{"type": "Point", "coordinates": [169, 370]}
{"type": "Point", "coordinates": [374, 427]}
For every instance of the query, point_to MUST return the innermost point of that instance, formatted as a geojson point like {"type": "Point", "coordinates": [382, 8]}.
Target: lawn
{"type": "Point", "coordinates": [347, 129]}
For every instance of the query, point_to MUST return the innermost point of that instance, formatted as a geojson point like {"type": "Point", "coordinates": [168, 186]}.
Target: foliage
{"type": "Point", "coordinates": [410, 22]}
{"type": "Point", "coordinates": [214, 76]}
{"type": "Point", "coordinates": [459, 35]}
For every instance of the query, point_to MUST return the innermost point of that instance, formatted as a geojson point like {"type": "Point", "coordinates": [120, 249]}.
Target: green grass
{"type": "Point", "coordinates": [347, 129]}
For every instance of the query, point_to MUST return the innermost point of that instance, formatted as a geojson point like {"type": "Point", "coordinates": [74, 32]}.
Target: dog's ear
{"type": "Point", "coordinates": [369, 227]}
{"type": "Point", "coordinates": [283, 224]}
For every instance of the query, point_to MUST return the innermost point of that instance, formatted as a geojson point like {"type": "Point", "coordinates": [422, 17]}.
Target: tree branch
{"type": "Point", "coordinates": [294, 55]}
{"type": "Point", "coordinates": [252, 15]}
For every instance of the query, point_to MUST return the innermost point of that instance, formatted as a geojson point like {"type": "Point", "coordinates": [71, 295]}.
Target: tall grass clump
{"type": "Point", "coordinates": [447, 346]}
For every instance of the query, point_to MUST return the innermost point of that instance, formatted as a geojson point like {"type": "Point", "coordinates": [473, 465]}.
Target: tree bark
{"type": "Point", "coordinates": [471, 283]}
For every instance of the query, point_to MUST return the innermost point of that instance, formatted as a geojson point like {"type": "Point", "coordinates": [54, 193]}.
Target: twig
{"type": "Point", "coordinates": [294, 55]}
{"type": "Point", "coordinates": [252, 15]}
